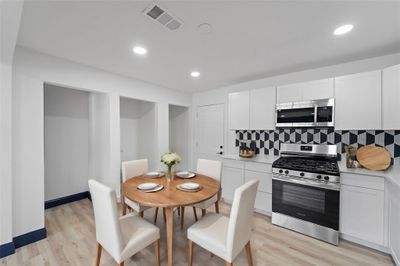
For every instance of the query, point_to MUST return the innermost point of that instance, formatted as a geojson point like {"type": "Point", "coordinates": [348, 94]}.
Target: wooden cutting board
{"type": "Point", "coordinates": [373, 157]}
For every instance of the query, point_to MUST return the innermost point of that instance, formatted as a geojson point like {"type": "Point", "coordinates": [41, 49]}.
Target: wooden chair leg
{"type": "Point", "coordinates": [217, 207]}
{"type": "Point", "coordinates": [99, 249]}
{"type": "Point", "coordinates": [123, 206]}
{"type": "Point", "coordinates": [157, 250]}
{"type": "Point", "coordinates": [155, 215]}
{"type": "Point", "coordinates": [141, 214]}
{"type": "Point", "coordinates": [179, 211]}
{"type": "Point", "coordinates": [195, 214]}
{"type": "Point", "coordinates": [248, 254]}
{"type": "Point", "coordinates": [165, 218]}
{"type": "Point", "coordinates": [203, 212]}
{"type": "Point", "coordinates": [182, 216]}
{"type": "Point", "coordinates": [190, 252]}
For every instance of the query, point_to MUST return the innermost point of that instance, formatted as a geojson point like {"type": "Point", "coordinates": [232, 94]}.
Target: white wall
{"type": "Point", "coordinates": [28, 154]}
{"type": "Point", "coordinates": [179, 134]}
{"type": "Point", "coordinates": [130, 116]}
{"type": "Point", "coordinates": [99, 136]}
{"type": "Point", "coordinates": [66, 141]}
{"type": "Point", "coordinates": [5, 155]}
{"type": "Point", "coordinates": [30, 71]}
{"type": "Point", "coordinates": [138, 131]}
{"type": "Point", "coordinates": [162, 129]}
{"type": "Point", "coordinates": [10, 14]}
{"type": "Point", "coordinates": [148, 134]}
{"type": "Point", "coordinates": [220, 95]}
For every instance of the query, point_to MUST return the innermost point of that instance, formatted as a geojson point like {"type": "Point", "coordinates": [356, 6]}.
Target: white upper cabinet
{"type": "Point", "coordinates": [262, 108]}
{"type": "Point", "coordinates": [288, 93]}
{"type": "Point", "coordinates": [391, 98]}
{"type": "Point", "coordinates": [239, 110]}
{"type": "Point", "coordinates": [358, 101]}
{"type": "Point", "coordinates": [312, 90]}
{"type": "Point", "coordinates": [318, 89]}
{"type": "Point", "coordinates": [254, 109]}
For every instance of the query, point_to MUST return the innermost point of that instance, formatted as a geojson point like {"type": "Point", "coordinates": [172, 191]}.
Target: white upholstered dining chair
{"type": "Point", "coordinates": [212, 169]}
{"type": "Point", "coordinates": [131, 169]}
{"type": "Point", "coordinates": [120, 237]}
{"type": "Point", "coordinates": [223, 236]}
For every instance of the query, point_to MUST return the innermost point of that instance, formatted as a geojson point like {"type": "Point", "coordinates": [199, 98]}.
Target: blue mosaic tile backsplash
{"type": "Point", "coordinates": [268, 141]}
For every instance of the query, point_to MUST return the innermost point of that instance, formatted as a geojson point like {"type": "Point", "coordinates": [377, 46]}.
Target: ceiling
{"type": "Point", "coordinates": [250, 39]}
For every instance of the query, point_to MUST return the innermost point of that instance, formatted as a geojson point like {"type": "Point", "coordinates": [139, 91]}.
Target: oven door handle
{"type": "Point", "coordinates": [306, 182]}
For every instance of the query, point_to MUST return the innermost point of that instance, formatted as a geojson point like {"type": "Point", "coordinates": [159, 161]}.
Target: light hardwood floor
{"type": "Point", "coordinates": [71, 241]}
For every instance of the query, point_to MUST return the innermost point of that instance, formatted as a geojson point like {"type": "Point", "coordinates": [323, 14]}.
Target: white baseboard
{"type": "Point", "coordinates": [263, 212]}
{"type": "Point", "coordinates": [396, 259]}
{"type": "Point", "coordinates": [365, 243]}
{"type": "Point", "coordinates": [256, 210]}
{"type": "Point", "coordinates": [346, 237]}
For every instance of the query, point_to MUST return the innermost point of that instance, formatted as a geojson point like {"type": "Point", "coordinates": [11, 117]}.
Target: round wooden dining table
{"type": "Point", "coordinates": [169, 198]}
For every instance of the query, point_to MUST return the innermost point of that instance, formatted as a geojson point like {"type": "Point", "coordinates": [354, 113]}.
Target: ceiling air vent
{"type": "Point", "coordinates": [165, 18]}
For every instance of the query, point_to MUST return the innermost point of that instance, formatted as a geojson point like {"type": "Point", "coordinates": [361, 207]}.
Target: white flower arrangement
{"type": "Point", "coordinates": [170, 159]}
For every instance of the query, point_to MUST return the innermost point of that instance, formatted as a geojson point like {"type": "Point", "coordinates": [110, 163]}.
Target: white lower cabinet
{"type": "Point", "coordinates": [362, 215]}
{"type": "Point", "coordinates": [263, 173]}
{"type": "Point", "coordinates": [232, 178]}
{"type": "Point", "coordinates": [264, 197]}
{"type": "Point", "coordinates": [265, 184]}
{"type": "Point", "coordinates": [394, 222]}
{"type": "Point", "coordinates": [263, 203]}
{"type": "Point", "coordinates": [235, 173]}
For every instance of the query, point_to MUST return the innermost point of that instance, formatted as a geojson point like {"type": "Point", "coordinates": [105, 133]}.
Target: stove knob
{"type": "Point", "coordinates": [281, 171]}
{"type": "Point", "coordinates": [319, 176]}
{"type": "Point", "coordinates": [326, 178]}
{"type": "Point", "coordinates": [286, 172]}
{"type": "Point", "coordinates": [301, 174]}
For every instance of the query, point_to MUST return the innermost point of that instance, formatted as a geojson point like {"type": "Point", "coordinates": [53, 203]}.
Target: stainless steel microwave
{"type": "Point", "coordinates": [315, 113]}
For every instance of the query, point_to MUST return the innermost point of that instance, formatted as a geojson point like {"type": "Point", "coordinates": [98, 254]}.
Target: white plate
{"type": "Point", "coordinates": [190, 186]}
{"type": "Point", "coordinates": [185, 174]}
{"type": "Point", "coordinates": [154, 174]}
{"type": "Point", "coordinates": [147, 186]}
{"type": "Point", "coordinates": [158, 188]}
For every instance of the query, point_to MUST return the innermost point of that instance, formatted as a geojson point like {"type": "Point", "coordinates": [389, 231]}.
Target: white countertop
{"type": "Point", "coordinates": [392, 174]}
{"type": "Point", "coordinates": [257, 159]}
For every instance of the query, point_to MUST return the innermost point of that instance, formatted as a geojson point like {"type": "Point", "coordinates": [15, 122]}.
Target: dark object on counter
{"type": "Point", "coordinates": [351, 157]}
{"type": "Point", "coordinates": [247, 148]}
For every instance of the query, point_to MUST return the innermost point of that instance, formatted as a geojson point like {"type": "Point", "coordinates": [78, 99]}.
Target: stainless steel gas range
{"type": "Point", "coordinates": [306, 190]}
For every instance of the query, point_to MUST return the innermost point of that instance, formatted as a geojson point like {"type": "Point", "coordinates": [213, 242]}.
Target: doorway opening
{"type": "Point", "coordinates": [138, 131]}
{"type": "Point", "coordinates": [179, 134]}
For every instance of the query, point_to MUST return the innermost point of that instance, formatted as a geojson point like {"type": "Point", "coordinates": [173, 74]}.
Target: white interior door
{"type": "Point", "coordinates": [210, 132]}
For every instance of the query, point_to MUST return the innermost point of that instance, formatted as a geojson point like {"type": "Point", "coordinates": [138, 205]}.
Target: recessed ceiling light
{"type": "Point", "coordinates": [139, 50]}
{"type": "Point", "coordinates": [343, 29]}
{"type": "Point", "coordinates": [195, 74]}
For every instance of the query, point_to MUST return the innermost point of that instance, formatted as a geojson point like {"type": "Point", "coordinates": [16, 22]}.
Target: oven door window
{"type": "Point", "coordinates": [324, 114]}
{"type": "Point", "coordinates": [303, 198]}
{"type": "Point", "coordinates": [316, 205]}
{"type": "Point", "coordinates": [298, 115]}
